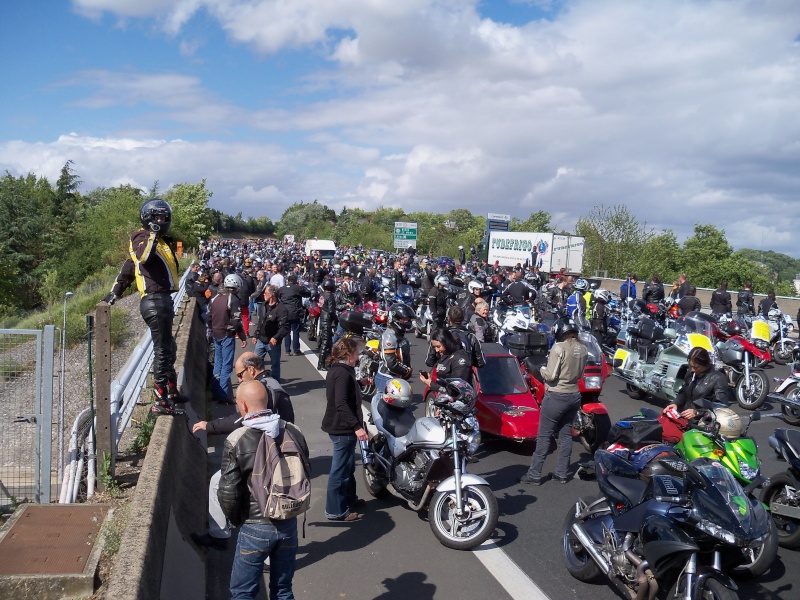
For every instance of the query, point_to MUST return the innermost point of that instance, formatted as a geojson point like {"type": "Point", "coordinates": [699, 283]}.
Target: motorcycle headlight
{"type": "Point", "coordinates": [592, 383]}
{"type": "Point", "coordinates": [747, 471]}
{"type": "Point", "coordinates": [473, 441]}
{"type": "Point", "coordinates": [716, 531]}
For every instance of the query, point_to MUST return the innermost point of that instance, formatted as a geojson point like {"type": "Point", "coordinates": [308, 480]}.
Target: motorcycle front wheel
{"type": "Point", "coordinates": [791, 414]}
{"type": "Point", "coordinates": [759, 388]}
{"type": "Point", "coordinates": [577, 560]}
{"type": "Point", "coordinates": [376, 485]}
{"type": "Point", "coordinates": [788, 528]}
{"type": "Point", "coordinates": [782, 352]}
{"type": "Point", "coordinates": [635, 392]}
{"type": "Point", "coordinates": [470, 529]}
{"type": "Point", "coordinates": [712, 590]}
{"type": "Point", "coordinates": [762, 557]}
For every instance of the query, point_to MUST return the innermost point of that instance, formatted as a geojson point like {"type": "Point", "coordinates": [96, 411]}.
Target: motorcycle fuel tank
{"type": "Point", "coordinates": [426, 430]}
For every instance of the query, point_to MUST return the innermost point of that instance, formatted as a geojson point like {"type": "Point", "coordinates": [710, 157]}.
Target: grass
{"type": "Point", "coordinates": [144, 431]}
{"type": "Point", "coordinates": [110, 485]}
{"type": "Point", "coordinates": [114, 530]}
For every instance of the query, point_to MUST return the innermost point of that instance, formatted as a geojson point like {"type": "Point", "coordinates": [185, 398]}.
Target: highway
{"type": "Point", "coordinates": [393, 554]}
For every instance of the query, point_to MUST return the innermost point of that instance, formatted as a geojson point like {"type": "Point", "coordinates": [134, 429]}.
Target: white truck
{"type": "Point", "coordinates": [326, 248]}
{"type": "Point", "coordinates": [549, 251]}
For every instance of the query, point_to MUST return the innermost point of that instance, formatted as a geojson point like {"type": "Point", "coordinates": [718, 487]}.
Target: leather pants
{"type": "Point", "coordinates": [157, 311]}
{"type": "Point", "coordinates": [325, 340]}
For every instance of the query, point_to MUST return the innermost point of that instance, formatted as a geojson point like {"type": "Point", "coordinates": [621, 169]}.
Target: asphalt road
{"type": "Point", "coordinates": [393, 554]}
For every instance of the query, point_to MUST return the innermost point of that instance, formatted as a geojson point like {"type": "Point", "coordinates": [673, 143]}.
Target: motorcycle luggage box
{"type": "Point", "coordinates": [355, 322]}
{"type": "Point", "coordinates": [528, 343]}
{"type": "Point", "coordinates": [636, 432]}
{"type": "Point", "coordinates": [647, 329]}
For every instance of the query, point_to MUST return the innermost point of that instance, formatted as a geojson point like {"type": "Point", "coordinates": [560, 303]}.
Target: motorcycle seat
{"type": "Point", "coordinates": [791, 437]}
{"type": "Point", "coordinates": [632, 489]}
{"type": "Point", "coordinates": [396, 421]}
{"type": "Point", "coordinates": [532, 365]}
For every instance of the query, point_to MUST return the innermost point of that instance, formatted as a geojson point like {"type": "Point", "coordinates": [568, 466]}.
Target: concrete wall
{"type": "Point", "coordinates": [171, 498]}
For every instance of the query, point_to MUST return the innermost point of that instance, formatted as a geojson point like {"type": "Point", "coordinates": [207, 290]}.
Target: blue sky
{"type": "Point", "coordinates": [686, 111]}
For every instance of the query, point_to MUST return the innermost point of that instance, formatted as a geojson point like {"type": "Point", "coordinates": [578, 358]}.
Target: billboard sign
{"type": "Point", "coordinates": [547, 251]}
{"type": "Point", "coordinates": [405, 235]}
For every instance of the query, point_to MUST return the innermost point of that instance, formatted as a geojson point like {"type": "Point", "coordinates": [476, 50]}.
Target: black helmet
{"type": "Point", "coordinates": [329, 284]}
{"type": "Point", "coordinates": [458, 395]}
{"type": "Point", "coordinates": [153, 208]}
{"type": "Point", "coordinates": [562, 327]}
{"type": "Point", "coordinates": [401, 317]}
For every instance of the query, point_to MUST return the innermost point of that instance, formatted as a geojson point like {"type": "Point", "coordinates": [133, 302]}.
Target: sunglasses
{"type": "Point", "coordinates": [240, 373]}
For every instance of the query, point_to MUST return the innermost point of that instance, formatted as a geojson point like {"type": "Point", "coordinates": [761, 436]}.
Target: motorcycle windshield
{"type": "Point", "coordinates": [502, 378]}
{"type": "Point", "coordinates": [696, 322]}
{"type": "Point", "coordinates": [592, 347]}
{"type": "Point", "coordinates": [724, 504]}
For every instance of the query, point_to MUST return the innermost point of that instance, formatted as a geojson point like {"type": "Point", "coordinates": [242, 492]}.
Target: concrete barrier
{"type": "Point", "coordinates": [157, 558]}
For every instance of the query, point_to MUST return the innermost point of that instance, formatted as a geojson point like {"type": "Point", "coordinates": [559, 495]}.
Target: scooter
{"type": "Point", "coordinates": [782, 494]}
{"type": "Point", "coordinates": [426, 459]}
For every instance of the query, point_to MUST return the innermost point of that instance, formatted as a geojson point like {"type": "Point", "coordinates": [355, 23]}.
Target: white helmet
{"type": "Point", "coordinates": [232, 281]}
{"type": "Point", "coordinates": [581, 285]}
{"type": "Point", "coordinates": [397, 393]}
{"type": "Point", "coordinates": [602, 295]}
{"type": "Point", "coordinates": [730, 425]}
{"type": "Point", "coordinates": [441, 280]}
{"type": "Point", "coordinates": [461, 247]}
{"type": "Point", "coordinates": [474, 285]}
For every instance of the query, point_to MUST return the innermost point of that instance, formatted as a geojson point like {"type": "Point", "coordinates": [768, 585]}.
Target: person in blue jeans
{"type": "Point", "coordinates": [342, 423]}
{"type": "Point", "coordinates": [272, 328]}
{"type": "Point", "coordinates": [259, 537]}
{"type": "Point", "coordinates": [224, 322]}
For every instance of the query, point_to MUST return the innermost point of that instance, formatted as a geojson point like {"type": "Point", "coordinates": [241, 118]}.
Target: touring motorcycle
{"type": "Point", "coordinates": [782, 494]}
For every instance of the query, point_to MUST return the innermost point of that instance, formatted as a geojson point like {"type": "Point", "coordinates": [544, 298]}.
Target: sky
{"type": "Point", "coordinates": [684, 111]}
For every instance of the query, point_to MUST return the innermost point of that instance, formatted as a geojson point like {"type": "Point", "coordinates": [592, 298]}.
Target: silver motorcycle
{"type": "Point", "coordinates": [425, 462]}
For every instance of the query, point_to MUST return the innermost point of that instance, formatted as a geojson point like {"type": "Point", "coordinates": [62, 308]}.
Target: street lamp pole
{"type": "Point", "coordinates": [67, 296]}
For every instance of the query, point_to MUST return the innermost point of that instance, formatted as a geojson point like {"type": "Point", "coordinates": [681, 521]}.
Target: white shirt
{"type": "Point", "coordinates": [277, 280]}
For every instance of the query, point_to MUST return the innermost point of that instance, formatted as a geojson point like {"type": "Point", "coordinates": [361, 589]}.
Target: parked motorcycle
{"type": "Point", "coordinates": [780, 325]}
{"type": "Point", "coordinates": [426, 459]}
{"type": "Point", "coordinates": [787, 394]}
{"type": "Point", "coordinates": [740, 357]}
{"type": "Point", "coordinates": [782, 494]}
{"type": "Point", "coordinates": [680, 531]}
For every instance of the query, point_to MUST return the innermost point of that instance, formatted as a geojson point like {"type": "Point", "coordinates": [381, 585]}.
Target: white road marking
{"type": "Point", "coordinates": [499, 564]}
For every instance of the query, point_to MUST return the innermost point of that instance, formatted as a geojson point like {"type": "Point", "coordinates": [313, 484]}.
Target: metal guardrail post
{"type": "Point", "coordinates": [106, 440]}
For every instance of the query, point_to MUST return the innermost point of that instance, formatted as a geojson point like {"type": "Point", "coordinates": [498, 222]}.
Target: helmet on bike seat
{"type": "Point", "coordinates": [602, 295]}
{"type": "Point", "coordinates": [774, 314]}
{"type": "Point", "coordinates": [232, 281]}
{"type": "Point", "coordinates": [474, 285]}
{"type": "Point", "coordinates": [730, 424]}
{"type": "Point", "coordinates": [441, 280]}
{"type": "Point", "coordinates": [458, 395]}
{"type": "Point", "coordinates": [397, 393]}
{"type": "Point", "coordinates": [151, 211]}
{"type": "Point", "coordinates": [401, 317]}
{"type": "Point", "coordinates": [329, 284]}
{"type": "Point", "coordinates": [562, 327]}
{"type": "Point", "coordinates": [581, 285]}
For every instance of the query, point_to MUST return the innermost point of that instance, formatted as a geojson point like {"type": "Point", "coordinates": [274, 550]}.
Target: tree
{"type": "Point", "coordinates": [614, 238]}
{"type": "Point", "coordinates": [660, 254]}
{"type": "Point", "coordinates": [704, 254]}
{"type": "Point", "coordinates": [537, 222]}
{"type": "Point", "coordinates": [191, 220]}
{"type": "Point", "coordinates": [67, 196]}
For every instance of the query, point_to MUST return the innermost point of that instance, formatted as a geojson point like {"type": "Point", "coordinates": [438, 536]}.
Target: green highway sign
{"type": "Point", "coordinates": [405, 235]}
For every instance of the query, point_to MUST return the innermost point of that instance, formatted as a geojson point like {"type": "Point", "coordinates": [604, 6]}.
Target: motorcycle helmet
{"type": "Point", "coordinates": [401, 317]}
{"type": "Point", "coordinates": [730, 425]}
{"type": "Point", "coordinates": [461, 247]}
{"type": "Point", "coordinates": [602, 295]}
{"type": "Point", "coordinates": [472, 286]}
{"type": "Point", "coordinates": [459, 396]}
{"type": "Point", "coordinates": [562, 327]}
{"type": "Point", "coordinates": [349, 286]}
{"type": "Point", "coordinates": [774, 314]}
{"type": "Point", "coordinates": [149, 213]}
{"type": "Point", "coordinates": [581, 285]}
{"type": "Point", "coordinates": [441, 280]}
{"type": "Point", "coordinates": [397, 393]}
{"type": "Point", "coordinates": [329, 284]}
{"type": "Point", "coordinates": [232, 281]}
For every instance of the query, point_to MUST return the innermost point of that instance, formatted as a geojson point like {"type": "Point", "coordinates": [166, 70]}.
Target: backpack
{"type": "Point", "coordinates": [280, 401]}
{"type": "Point", "coordinates": [281, 478]}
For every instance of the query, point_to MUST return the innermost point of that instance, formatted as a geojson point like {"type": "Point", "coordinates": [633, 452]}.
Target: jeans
{"type": "Point", "coordinates": [157, 311]}
{"type": "Point", "coordinates": [224, 350]}
{"type": "Point", "coordinates": [381, 380]}
{"type": "Point", "coordinates": [264, 348]}
{"type": "Point", "coordinates": [294, 338]}
{"type": "Point", "coordinates": [257, 541]}
{"type": "Point", "coordinates": [342, 481]}
{"type": "Point", "coordinates": [556, 418]}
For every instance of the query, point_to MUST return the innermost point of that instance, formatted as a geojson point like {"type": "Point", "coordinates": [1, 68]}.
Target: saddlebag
{"type": "Point", "coordinates": [635, 432]}
{"type": "Point", "coordinates": [355, 322]}
{"type": "Point", "coordinates": [528, 343]}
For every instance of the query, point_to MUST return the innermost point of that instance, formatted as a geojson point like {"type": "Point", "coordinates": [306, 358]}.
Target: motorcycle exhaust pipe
{"type": "Point", "coordinates": [784, 400]}
{"type": "Point", "coordinates": [586, 542]}
{"type": "Point", "coordinates": [648, 586]}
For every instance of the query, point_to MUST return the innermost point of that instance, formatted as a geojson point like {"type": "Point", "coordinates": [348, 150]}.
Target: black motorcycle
{"type": "Point", "coordinates": [681, 531]}
{"type": "Point", "coordinates": [782, 495]}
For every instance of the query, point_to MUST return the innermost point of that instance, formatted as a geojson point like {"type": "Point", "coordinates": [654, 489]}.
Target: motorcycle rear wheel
{"type": "Point", "coordinates": [782, 352]}
{"type": "Point", "coordinates": [635, 392]}
{"type": "Point", "coordinates": [479, 521]}
{"type": "Point", "coordinates": [712, 590]}
{"type": "Point", "coordinates": [577, 560]}
{"type": "Point", "coordinates": [595, 434]}
{"type": "Point", "coordinates": [790, 414]}
{"type": "Point", "coordinates": [759, 388]}
{"type": "Point", "coordinates": [788, 528]}
{"type": "Point", "coordinates": [764, 555]}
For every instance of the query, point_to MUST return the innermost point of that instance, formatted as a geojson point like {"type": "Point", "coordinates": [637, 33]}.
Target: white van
{"type": "Point", "coordinates": [326, 248]}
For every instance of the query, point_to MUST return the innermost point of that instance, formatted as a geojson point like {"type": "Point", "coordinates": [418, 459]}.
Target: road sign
{"type": "Point", "coordinates": [405, 235]}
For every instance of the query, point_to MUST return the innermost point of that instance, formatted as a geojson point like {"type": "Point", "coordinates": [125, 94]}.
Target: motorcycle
{"type": "Point", "coordinates": [782, 494]}
{"type": "Point", "coordinates": [740, 358]}
{"type": "Point", "coordinates": [426, 459]}
{"type": "Point", "coordinates": [787, 394]}
{"type": "Point", "coordinates": [656, 360]}
{"type": "Point", "coordinates": [680, 530]}
{"type": "Point", "coordinates": [782, 347]}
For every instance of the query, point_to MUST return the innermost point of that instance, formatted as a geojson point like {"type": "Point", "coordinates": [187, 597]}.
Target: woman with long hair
{"type": "Point", "coordinates": [449, 359]}
{"type": "Point", "coordinates": [342, 422]}
{"type": "Point", "coordinates": [702, 386]}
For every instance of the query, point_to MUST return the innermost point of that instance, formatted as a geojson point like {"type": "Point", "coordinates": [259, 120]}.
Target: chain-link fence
{"type": "Point", "coordinates": [27, 468]}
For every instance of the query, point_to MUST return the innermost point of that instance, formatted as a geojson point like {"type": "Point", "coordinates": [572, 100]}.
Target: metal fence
{"type": "Point", "coordinates": [27, 467]}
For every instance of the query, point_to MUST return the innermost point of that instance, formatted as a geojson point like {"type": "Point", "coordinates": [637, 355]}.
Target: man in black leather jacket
{"type": "Point", "coordinates": [291, 296]}
{"type": "Point", "coordinates": [653, 291]}
{"type": "Point", "coordinates": [259, 537]}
